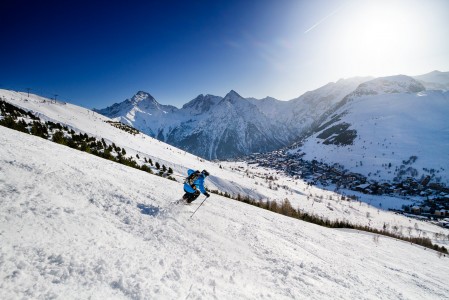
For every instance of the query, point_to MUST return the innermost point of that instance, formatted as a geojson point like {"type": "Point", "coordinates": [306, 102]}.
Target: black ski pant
{"type": "Point", "coordinates": [191, 196]}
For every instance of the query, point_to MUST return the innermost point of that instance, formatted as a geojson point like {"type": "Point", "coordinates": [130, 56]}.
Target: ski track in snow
{"type": "Point", "coordinates": [71, 228]}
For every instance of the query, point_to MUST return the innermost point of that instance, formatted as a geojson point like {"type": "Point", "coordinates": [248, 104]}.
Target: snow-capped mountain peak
{"type": "Point", "coordinates": [435, 80]}
{"type": "Point", "coordinates": [389, 85]}
{"type": "Point", "coordinates": [140, 101]}
{"type": "Point", "coordinates": [232, 97]}
{"type": "Point", "coordinates": [201, 104]}
{"type": "Point", "coordinates": [141, 96]}
{"type": "Point", "coordinates": [144, 101]}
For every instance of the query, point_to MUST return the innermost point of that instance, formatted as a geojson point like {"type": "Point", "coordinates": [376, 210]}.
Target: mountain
{"type": "Point", "coordinates": [435, 80]}
{"type": "Point", "coordinates": [233, 126]}
{"type": "Point", "coordinates": [389, 85]}
{"type": "Point", "coordinates": [271, 107]}
{"type": "Point", "coordinates": [388, 129]}
{"type": "Point", "coordinates": [142, 111]}
{"type": "Point", "coordinates": [226, 128]}
{"type": "Point", "coordinates": [328, 119]}
{"type": "Point", "coordinates": [208, 126]}
{"type": "Point", "coordinates": [304, 111]}
{"type": "Point", "coordinates": [142, 103]}
{"type": "Point", "coordinates": [76, 226]}
{"type": "Point", "coordinates": [201, 104]}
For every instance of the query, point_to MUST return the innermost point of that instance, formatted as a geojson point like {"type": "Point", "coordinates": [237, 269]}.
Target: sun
{"type": "Point", "coordinates": [376, 37]}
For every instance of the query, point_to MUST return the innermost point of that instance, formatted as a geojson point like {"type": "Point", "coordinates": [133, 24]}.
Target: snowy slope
{"type": "Point", "coordinates": [234, 178]}
{"type": "Point", "coordinates": [71, 231]}
{"type": "Point", "coordinates": [388, 85]}
{"type": "Point", "coordinates": [87, 121]}
{"type": "Point", "coordinates": [381, 126]}
{"type": "Point", "coordinates": [311, 107]}
{"type": "Point", "coordinates": [435, 80]}
{"type": "Point", "coordinates": [94, 124]}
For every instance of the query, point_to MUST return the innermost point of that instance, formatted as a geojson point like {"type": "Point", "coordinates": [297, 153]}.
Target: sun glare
{"type": "Point", "coordinates": [376, 38]}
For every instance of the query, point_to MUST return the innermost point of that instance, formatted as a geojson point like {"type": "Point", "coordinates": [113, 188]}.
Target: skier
{"type": "Point", "coordinates": [194, 185]}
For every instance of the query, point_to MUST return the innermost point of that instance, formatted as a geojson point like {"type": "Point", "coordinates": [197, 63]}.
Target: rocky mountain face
{"type": "Point", "coordinates": [142, 112]}
{"type": "Point", "coordinates": [226, 128]}
{"type": "Point", "coordinates": [217, 127]}
{"type": "Point", "coordinates": [208, 126]}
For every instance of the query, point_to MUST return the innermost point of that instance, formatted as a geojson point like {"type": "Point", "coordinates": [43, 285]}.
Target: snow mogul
{"type": "Point", "coordinates": [194, 185]}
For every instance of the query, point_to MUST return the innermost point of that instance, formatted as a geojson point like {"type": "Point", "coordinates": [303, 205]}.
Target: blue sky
{"type": "Point", "coordinates": [95, 54]}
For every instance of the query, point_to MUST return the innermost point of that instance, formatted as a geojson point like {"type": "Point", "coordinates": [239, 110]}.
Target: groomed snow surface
{"type": "Point", "coordinates": [75, 226]}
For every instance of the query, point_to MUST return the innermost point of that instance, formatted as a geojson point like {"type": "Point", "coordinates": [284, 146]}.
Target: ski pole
{"type": "Point", "coordinates": [198, 207]}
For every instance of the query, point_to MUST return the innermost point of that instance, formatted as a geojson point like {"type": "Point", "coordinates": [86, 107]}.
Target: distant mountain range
{"type": "Point", "coordinates": [388, 129]}
{"type": "Point", "coordinates": [217, 127]}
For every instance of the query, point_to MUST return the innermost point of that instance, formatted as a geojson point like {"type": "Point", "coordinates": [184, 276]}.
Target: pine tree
{"type": "Point", "coordinates": [8, 122]}
{"type": "Point", "coordinates": [274, 206]}
{"type": "Point", "coordinates": [58, 137]}
{"type": "Point", "coordinates": [146, 169]}
{"type": "Point", "coordinates": [39, 130]}
{"type": "Point", "coordinates": [158, 166]}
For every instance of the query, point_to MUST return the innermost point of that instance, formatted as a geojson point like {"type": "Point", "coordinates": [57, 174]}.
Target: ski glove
{"type": "Point", "coordinates": [207, 194]}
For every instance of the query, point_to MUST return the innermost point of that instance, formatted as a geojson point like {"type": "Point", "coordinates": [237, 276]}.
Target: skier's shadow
{"type": "Point", "coordinates": [149, 209]}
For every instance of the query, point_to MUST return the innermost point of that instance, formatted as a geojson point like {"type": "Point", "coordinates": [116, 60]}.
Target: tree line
{"type": "Point", "coordinates": [21, 120]}
{"type": "Point", "coordinates": [285, 208]}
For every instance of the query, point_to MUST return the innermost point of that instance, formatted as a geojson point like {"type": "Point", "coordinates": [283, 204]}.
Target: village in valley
{"type": "Point", "coordinates": [432, 199]}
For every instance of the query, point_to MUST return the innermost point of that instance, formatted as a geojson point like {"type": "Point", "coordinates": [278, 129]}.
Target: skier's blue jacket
{"type": "Point", "coordinates": [198, 183]}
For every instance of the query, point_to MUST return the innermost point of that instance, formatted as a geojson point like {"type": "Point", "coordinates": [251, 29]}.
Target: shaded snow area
{"type": "Point", "coordinates": [75, 226]}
